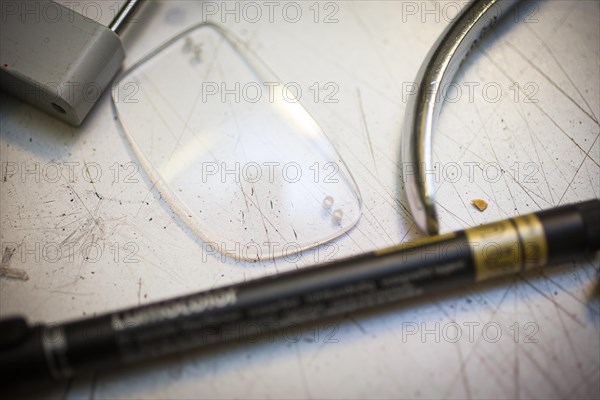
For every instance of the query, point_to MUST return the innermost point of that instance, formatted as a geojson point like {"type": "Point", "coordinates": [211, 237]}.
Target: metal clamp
{"type": "Point", "coordinates": [423, 107]}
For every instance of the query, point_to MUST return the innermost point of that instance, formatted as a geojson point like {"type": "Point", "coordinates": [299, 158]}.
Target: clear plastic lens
{"type": "Point", "coordinates": [234, 152]}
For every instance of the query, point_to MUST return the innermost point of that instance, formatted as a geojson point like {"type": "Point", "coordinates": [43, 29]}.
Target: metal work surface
{"type": "Point", "coordinates": [84, 230]}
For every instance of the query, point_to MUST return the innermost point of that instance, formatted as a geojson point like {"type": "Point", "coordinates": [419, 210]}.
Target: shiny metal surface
{"type": "Point", "coordinates": [117, 25]}
{"type": "Point", "coordinates": [423, 108]}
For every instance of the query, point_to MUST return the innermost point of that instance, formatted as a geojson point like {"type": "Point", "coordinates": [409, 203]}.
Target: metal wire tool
{"type": "Point", "coordinates": [424, 106]}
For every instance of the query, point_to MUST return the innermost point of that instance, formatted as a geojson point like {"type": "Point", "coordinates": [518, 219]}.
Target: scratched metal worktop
{"type": "Point", "coordinates": [84, 230]}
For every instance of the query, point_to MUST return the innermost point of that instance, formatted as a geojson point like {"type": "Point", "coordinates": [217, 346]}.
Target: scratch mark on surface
{"type": "Point", "coordinates": [473, 349]}
{"type": "Point", "coordinates": [463, 371]}
{"type": "Point", "coordinates": [492, 148]}
{"type": "Point", "coordinates": [373, 39]}
{"type": "Point", "coordinates": [542, 369]}
{"type": "Point", "coordinates": [366, 127]}
{"type": "Point", "coordinates": [551, 81]}
{"type": "Point", "coordinates": [587, 155]}
{"type": "Point", "coordinates": [302, 372]}
{"type": "Point", "coordinates": [360, 327]}
{"type": "Point", "coordinates": [456, 217]}
{"type": "Point", "coordinates": [569, 314]}
{"type": "Point", "coordinates": [462, 201]}
{"type": "Point", "coordinates": [516, 366]}
{"type": "Point", "coordinates": [86, 209]}
{"type": "Point", "coordinates": [536, 105]}
{"type": "Point", "coordinates": [391, 199]}
{"type": "Point", "coordinates": [139, 293]}
{"type": "Point", "coordinates": [91, 180]}
{"type": "Point", "coordinates": [245, 196]}
{"type": "Point", "coordinates": [567, 292]}
{"type": "Point", "coordinates": [65, 292]}
{"type": "Point", "coordinates": [565, 133]}
{"type": "Point", "coordinates": [584, 384]}
{"type": "Point", "coordinates": [535, 149]}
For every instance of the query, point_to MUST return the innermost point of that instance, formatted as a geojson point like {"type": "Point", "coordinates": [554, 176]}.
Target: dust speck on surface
{"type": "Point", "coordinates": [480, 204]}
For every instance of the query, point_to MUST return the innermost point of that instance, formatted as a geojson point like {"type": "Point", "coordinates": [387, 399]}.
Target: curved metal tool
{"type": "Point", "coordinates": [424, 106]}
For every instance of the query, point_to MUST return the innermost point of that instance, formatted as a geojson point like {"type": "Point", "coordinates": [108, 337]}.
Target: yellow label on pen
{"type": "Point", "coordinates": [533, 239]}
{"type": "Point", "coordinates": [507, 247]}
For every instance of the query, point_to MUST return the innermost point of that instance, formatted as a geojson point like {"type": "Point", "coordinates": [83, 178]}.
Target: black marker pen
{"type": "Point", "coordinates": [251, 309]}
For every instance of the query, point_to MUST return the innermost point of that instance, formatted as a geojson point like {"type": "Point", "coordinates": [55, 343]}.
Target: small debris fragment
{"type": "Point", "coordinates": [197, 53]}
{"type": "Point", "coordinates": [14, 273]}
{"type": "Point", "coordinates": [8, 272]}
{"type": "Point", "coordinates": [188, 44]}
{"type": "Point", "coordinates": [480, 204]}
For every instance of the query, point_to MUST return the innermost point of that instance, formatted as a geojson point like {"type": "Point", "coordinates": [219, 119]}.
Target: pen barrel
{"type": "Point", "coordinates": [258, 309]}
{"type": "Point", "coordinates": [254, 310]}
{"type": "Point", "coordinates": [571, 231]}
